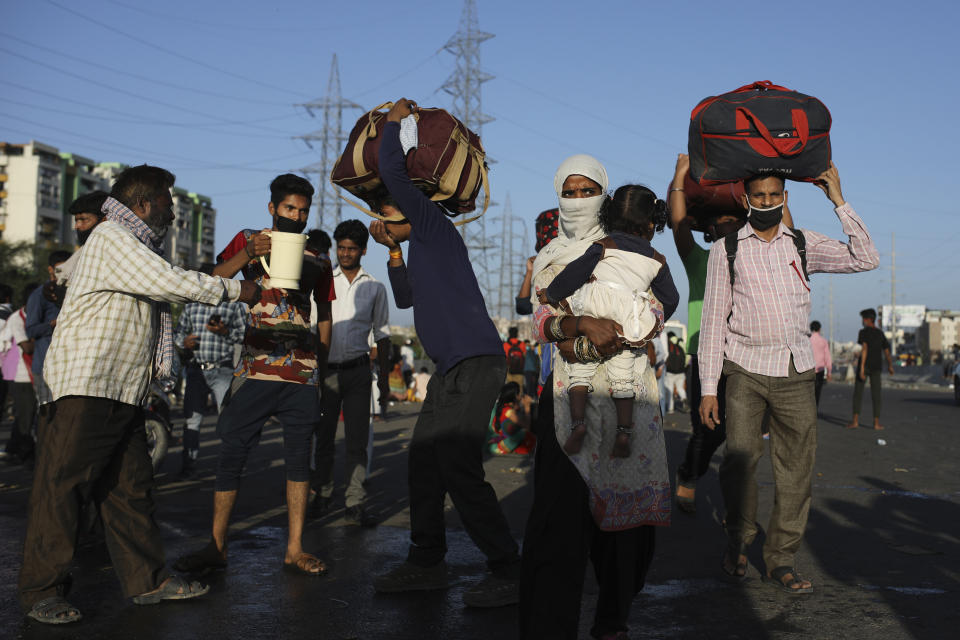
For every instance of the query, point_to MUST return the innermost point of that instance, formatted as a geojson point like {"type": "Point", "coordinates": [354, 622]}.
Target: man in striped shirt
{"type": "Point", "coordinates": [753, 331]}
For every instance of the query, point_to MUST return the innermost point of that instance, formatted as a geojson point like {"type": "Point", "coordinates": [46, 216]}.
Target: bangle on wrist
{"type": "Point", "coordinates": [246, 249]}
{"type": "Point", "coordinates": [557, 331]}
{"type": "Point", "coordinates": [672, 189]}
{"type": "Point", "coordinates": [396, 254]}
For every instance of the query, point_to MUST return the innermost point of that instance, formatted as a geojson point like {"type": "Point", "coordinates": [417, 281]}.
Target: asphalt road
{"type": "Point", "coordinates": [882, 548]}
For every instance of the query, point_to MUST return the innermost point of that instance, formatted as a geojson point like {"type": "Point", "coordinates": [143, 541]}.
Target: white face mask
{"type": "Point", "coordinates": [579, 214]}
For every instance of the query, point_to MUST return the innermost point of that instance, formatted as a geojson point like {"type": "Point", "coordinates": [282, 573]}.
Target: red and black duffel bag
{"type": "Point", "coordinates": [759, 128]}
{"type": "Point", "coordinates": [448, 163]}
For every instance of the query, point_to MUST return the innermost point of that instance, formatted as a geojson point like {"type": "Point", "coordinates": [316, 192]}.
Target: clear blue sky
{"type": "Point", "coordinates": [207, 90]}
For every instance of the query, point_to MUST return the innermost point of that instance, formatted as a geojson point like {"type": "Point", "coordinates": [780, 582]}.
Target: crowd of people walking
{"type": "Point", "coordinates": [584, 395]}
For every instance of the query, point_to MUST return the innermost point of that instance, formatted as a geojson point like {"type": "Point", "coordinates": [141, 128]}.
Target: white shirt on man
{"type": "Point", "coordinates": [360, 307]}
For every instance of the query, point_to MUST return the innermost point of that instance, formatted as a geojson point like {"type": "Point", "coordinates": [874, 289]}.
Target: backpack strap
{"type": "Point", "coordinates": [800, 241]}
{"type": "Point", "coordinates": [730, 242]}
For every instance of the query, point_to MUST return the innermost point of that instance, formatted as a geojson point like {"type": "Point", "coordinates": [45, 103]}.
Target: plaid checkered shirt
{"type": "Point", "coordinates": [762, 320]}
{"type": "Point", "coordinates": [212, 348]}
{"type": "Point", "coordinates": [106, 335]}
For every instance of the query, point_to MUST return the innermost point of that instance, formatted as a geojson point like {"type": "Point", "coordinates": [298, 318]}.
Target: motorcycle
{"type": "Point", "coordinates": [156, 413]}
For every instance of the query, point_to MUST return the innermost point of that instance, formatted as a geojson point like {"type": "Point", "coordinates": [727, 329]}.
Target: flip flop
{"type": "Point", "coordinates": [296, 567]}
{"type": "Point", "coordinates": [776, 579]}
{"type": "Point", "coordinates": [174, 588]}
{"type": "Point", "coordinates": [55, 610]}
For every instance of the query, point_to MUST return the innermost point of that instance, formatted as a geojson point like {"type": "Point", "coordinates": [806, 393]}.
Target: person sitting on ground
{"type": "Point", "coordinates": [610, 281]}
{"type": "Point", "coordinates": [510, 422]}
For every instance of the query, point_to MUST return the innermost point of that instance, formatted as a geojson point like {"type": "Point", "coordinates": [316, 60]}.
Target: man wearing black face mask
{"type": "Point", "coordinates": [703, 442]}
{"type": "Point", "coordinates": [281, 364]}
{"type": "Point", "coordinates": [753, 331]}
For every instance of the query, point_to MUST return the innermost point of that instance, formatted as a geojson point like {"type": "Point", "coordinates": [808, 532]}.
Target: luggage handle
{"type": "Point", "coordinates": [369, 132]}
{"type": "Point", "coordinates": [484, 178]}
{"type": "Point", "coordinates": [800, 123]}
{"type": "Point", "coordinates": [760, 85]}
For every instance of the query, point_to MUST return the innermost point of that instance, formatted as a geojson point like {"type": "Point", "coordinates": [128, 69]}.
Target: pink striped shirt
{"type": "Point", "coordinates": [821, 352]}
{"type": "Point", "coordinates": [762, 321]}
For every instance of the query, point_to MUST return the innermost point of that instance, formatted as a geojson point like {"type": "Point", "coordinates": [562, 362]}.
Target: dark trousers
{"type": "Point", "coordinates": [349, 390]}
{"type": "Point", "coordinates": [875, 388]}
{"type": "Point", "coordinates": [446, 456]}
{"type": "Point", "coordinates": [530, 383]}
{"type": "Point", "coordinates": [91, 449]}
{"type": "Point", "coordinates": [560, 535]}
{"type": "Point", "coordinates": [704, 441]}
{"type": "Point", "coordinates": [818, 385]}
{"type": "Point", "coordinates": [24, 411]}
{"type": "Point", "coordinates": [247, 407]}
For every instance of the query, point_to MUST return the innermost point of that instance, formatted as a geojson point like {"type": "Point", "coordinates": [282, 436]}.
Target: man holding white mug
{"type": "Point", "coordinates": [281, 362]}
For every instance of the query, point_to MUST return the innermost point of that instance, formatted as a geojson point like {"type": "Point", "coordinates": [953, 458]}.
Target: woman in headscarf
{"type": "Point", "coordinates": [588, 504]}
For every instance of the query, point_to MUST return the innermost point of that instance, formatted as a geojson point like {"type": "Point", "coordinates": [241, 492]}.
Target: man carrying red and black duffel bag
{"type": "Point", "coordinates": [759, 128]}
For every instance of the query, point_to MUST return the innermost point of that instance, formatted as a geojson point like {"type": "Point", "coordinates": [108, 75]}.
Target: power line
{"type": "Point", "coordinates": [132, 94]}
{"type": "Point", "coordinates": [72, 57]}
{"type": "Point", "coordinates": [138, 121]}
{"type": "Point", "coordinates": [365, 24]}
{"type": "Point", "coordinates": [144, 43]}
{"type": "Point", "coordinates": [141, 151]}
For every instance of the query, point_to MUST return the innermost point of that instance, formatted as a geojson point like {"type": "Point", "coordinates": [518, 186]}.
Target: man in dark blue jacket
{"type": "Point", "coordinates": [453, 326]}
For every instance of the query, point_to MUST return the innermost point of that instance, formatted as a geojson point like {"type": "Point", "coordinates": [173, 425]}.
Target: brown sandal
{"type": "Point", "coordinates": [301, 564]}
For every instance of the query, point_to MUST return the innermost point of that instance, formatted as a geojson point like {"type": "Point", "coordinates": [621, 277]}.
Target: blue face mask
{"type": "Point", "coordinates": [763, 219]}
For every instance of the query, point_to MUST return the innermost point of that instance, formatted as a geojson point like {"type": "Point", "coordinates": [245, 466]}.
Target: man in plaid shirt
{"type": "Point", "coordinates": [113, 336]}
{"type": "Point", "coordinates": [208, 334]}
{"type": "Point", "coordinates": [753, 330]}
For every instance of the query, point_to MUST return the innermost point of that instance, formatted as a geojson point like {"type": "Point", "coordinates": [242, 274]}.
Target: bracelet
{"type": "Point", "coordinates": [557, 331]}
{"type": "Point", "coordinates": [585, 351]}
{"type": "Point", "coordinates": [675, 189]}
{"type": "Point", "coordinates": [396, 254]}
{"type": "Point", "coordinates": [246, 249]}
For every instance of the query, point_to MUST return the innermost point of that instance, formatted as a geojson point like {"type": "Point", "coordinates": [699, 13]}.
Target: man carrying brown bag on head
{"type": "Point", "coordinates": [113, 336]}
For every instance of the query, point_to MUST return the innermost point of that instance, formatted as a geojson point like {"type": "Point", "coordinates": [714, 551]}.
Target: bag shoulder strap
{"type": "Point", "coordinates": [800, 241]}
{"type": "Point", "coordinates": [730, 242]}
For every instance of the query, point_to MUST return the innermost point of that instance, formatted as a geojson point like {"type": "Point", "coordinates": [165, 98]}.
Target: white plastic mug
{"type": "Point", "coordinates": [286, 259]}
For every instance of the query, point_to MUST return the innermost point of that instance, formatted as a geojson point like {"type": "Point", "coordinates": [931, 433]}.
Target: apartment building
{"type": "Point", "coordinates": [38, 182]}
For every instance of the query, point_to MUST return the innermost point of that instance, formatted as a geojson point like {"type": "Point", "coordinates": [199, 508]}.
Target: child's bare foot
{"type": "Point", "coordinates": [621, 444]}
{"type": "Point", "coordinates": [575, 441]}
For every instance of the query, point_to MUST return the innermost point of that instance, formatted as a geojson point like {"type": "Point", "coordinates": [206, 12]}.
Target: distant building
{"type": "Point", "coordinates": [939, 332]}
{"type": "Point", "coordinates": [38, 182]}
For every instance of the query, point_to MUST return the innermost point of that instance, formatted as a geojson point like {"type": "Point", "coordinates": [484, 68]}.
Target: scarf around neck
{"type": "Point", "coordinates": [122, 215]}
{"type": "Point", "coordinates": [576, 230]}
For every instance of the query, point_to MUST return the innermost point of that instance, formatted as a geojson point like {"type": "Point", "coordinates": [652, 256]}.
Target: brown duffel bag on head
{"type": "Point", "coordinates": [448, 163]}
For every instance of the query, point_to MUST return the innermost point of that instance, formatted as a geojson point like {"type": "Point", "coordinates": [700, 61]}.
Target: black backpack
{"type": "Point", "coordinates": [731, 240]}
{"type": "Point", "coordinates": [676, 359]}
{"type": "Point", "coordinates": [515, 356]}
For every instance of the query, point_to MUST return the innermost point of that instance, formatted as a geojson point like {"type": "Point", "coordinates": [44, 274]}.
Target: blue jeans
{"type": "Point", "coordinates": [199, 383]}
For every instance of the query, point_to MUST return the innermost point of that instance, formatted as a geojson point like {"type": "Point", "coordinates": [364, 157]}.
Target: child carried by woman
{"type": "Point", "coordinates": [611, 280]}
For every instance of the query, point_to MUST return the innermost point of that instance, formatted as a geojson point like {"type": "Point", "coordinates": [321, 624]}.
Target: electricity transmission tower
{"type": "Point", "coordinates": [464, 85]}
{"type": "Point", "coordinates": [511, 261]}
{"type": "Point", "coordinates": [330, 139]}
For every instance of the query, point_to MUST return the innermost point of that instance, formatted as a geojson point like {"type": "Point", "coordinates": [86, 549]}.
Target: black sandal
{"type": "Point", "coordinates": [739, 573]}
{"type": "Point", "coordinates": [776, 579]}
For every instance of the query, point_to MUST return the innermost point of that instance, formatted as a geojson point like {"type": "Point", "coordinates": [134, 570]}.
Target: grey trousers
{"type": "Point", "coordinates": [793, 443]}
